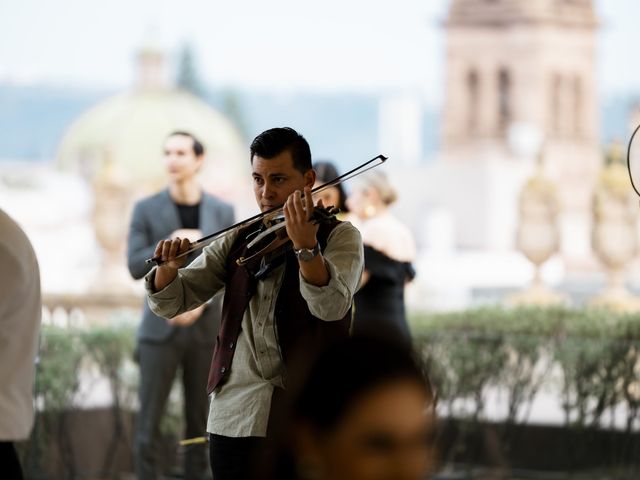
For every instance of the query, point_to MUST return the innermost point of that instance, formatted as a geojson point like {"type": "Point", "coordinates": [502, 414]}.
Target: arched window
{"type": "Point", "coordinates": [577, 106]}
{"type": "Point", "coordinates": [555, 102]}
{"type": "Point", "coordinates": [473, 92]}
{"type": "Point", "coordinates": [504, 100]}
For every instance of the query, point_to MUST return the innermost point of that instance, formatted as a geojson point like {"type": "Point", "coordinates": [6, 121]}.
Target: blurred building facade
{"type": "Point", "coordinates": [520, 77]}
{"type": "Point", "coordinates": [520, 80]}
{"type": "Point", "coordinates": [520, 86]}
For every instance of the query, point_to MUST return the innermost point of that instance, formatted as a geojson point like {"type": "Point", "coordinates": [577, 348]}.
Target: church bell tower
{"type": "Point", "coordinates": [515, 66]}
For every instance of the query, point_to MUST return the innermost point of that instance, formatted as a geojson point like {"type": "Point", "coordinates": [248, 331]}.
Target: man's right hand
{"type": "Point", "coordinates": [168, 251]}
{"type": "Point", "coordinates": [191, 234]}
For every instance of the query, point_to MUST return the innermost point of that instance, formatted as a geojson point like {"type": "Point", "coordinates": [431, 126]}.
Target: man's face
{"type": "Point", "coordinates": [180, 159]}
{"type": "Point", "coordinates": [276, 178]}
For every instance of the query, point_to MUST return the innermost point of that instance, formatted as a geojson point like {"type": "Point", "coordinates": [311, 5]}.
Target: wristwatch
{"type": "Point", "coordinates": [307, 254]}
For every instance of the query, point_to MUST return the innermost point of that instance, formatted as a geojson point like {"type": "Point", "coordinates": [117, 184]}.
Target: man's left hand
{"type": "Point", "coordinates": [300, 229]}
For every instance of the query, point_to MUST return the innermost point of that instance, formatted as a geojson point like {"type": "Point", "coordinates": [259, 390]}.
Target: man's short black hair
{"type": "Point", "coordinates": [274, 141]}
{"type": "Point", "coordinates": [198, 148]}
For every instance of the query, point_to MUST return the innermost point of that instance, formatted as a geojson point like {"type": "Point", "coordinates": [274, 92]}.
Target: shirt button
{"type": "Point", "coordinates": [231, 345]}
{"type": "Point", "coordinates": [223, 369]}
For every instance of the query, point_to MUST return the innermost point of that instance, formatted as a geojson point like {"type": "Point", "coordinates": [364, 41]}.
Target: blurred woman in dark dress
{"type": "Point", "coordinates": [333, 196]}
{"type": "Point", "coordinates": [389, 251]}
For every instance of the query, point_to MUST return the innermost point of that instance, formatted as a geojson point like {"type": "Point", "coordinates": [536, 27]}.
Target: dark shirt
{"type": "Point", "coordinates": [189, 215]}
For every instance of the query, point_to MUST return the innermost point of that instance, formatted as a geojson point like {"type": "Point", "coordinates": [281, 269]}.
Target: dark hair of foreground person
{"type": "Point", "coordinates": [362, 409]}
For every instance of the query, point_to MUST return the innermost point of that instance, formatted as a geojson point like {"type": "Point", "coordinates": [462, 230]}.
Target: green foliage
{"type": "Point", "coordinates": [68, 353]}
{"type": "Point", "coordinates": [596, 350]}
{"type": "Point", "coordinates": [590, 357]}
{"type": "Point", "coordinates": [188, 78]}
{"type": "Point", "coordinates": [61, 352]}
{"type": "Point", "coordinates": [65, 351]}
{"type": "Point", "coordinates": [232, 108]}
{"type": "Point", "coordinates": [111, 349]}
{"type": "Point", "coordinates": [67, 356]}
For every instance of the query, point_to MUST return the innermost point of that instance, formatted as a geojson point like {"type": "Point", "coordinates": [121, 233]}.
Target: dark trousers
{"type": "Point", "coordinates": [233, 458]}
{"type": "Point", "coordinates": [159, 363]}
{"type": "Point", "coordinates": [9, 462]}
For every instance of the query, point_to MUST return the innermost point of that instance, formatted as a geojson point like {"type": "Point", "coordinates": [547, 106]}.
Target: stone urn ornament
{"type": "Point", "coordinates": [112, 200]}
{"type": "Point", "coordinates": [538, 235]}
{"type": "Point", "coordinates": [615, 230]}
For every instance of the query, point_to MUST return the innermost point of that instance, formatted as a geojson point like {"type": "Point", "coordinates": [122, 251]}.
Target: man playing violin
{"type": "Point", "coordinates": [298, 296]}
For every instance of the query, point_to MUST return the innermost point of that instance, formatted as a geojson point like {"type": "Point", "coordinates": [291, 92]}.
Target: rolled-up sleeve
{"type": "Point", "coordinates": [194, 284]}
{"type": "Point", "coordinates": [344, 259]}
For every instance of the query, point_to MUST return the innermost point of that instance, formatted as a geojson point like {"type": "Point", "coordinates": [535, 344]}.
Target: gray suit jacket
{"type": "Point", "coordinates": [155, 218]}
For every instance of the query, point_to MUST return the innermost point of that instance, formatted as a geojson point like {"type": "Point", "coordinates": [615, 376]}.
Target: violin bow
{"type": "Point", "coordinates": [629, 154]}
{"type": "Point", "coordinates": [275, 211]}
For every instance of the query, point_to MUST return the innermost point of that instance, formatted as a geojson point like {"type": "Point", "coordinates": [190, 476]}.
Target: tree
{"type": "Point", "coordinates": [188, 73]}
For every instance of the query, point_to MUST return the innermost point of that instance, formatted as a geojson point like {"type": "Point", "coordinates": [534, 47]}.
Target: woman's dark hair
{"type": "Point", "coordinates": [274, 141]}
{"type": "Point", "coordinates": [198, 148]}
{"type": "Point", "coordinates": [322, 390]}
{"type": "Point", "coordinates": [325, 172]}
{"type": "Point", "coordinates": [349, 369]}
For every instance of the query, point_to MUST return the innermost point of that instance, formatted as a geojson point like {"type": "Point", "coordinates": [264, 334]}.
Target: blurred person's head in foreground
{"type": "Point", "coordinates": [372, 194]}
{"type": "Point", "coordinates": [333, 196]}
{"type": "Point", "coordinates": [363, 410]}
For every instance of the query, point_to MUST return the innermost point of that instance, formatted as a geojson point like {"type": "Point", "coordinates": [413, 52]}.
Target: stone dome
{"type": "Point", "coordinates": [126, 133]}
{"type": "Point", "coordinates": [129, 129]}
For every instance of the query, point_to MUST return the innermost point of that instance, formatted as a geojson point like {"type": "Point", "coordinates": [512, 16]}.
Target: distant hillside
{"type": "Point", "coordinates": [615, 117]}
{"type": "Point", "coordinates": [33, 119]}
{"type": "Point", "coordinates": [342, 127]}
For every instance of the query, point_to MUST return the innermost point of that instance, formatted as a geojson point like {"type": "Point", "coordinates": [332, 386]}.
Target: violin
{"type": "Point", "coordinates": [319, 215]}
{"type": "Point", "coordinates": [275, 217]}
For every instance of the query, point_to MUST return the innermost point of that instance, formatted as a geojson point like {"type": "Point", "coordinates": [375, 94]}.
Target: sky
{"type": "Point", "coordinates": [345, 45]}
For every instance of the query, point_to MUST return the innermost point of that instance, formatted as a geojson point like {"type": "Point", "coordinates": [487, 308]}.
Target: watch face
{"type": "Point", "coordinates": [306, 254]}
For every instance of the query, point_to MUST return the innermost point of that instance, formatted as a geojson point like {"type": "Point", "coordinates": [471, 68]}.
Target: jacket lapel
{"type": "Point", "coordinates": [168, 214]}
{"type": "Point", "coordinates": [208, 216]}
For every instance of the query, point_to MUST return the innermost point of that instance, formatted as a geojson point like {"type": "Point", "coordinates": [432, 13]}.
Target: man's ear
{"type": "Point", "coordinates": [310, 178]}
{"type": "Point", "coordinates": [200, 162]}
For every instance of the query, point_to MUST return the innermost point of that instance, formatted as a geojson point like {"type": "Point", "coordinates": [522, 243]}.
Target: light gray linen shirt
{"type": "Point", "coordinates": [240, 407]}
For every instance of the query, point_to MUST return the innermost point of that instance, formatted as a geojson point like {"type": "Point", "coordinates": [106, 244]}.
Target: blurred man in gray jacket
{"type": "Point", "coordinates": [186, 340]}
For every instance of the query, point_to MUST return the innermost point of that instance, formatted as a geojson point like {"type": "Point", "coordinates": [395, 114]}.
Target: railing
{"type": "Point", "coordinates": [88, 309]}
